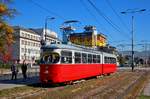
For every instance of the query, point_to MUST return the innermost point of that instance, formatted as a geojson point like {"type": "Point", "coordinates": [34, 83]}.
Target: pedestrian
{"type": "Point", "coordinates": [24, 69]}
{"type": "Point", "coordinates": [14, 70]}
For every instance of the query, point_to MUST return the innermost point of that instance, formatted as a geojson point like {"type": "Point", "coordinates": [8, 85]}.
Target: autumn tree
{"type": "Point", "coordinates": [6, 31]}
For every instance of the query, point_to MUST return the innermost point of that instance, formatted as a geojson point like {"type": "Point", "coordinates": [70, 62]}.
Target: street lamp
{"type": "Point", "coordinates": [46, 20]}
{"type": "Point", "coordinates": [132, 39]}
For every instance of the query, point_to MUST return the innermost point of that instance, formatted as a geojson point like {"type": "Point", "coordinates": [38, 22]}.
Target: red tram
{"type": "Point", "coordinates": [63, 63]}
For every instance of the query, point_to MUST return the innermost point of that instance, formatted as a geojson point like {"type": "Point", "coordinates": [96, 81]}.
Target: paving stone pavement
{"type": "Point", "coordinates": [146, 91]}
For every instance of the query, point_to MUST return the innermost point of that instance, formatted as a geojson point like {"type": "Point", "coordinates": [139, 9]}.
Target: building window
{"type": "Point", "coordinates": [25, 50]}
{"type": "Point", "coordinates": [31, 44]}
{"type": "Point", "coordinates": [26, 35]}
{"type": "Point", "coordinates": [28, 43]}
{"type": "Point", "coordinates": [22, 33]}
{"type": "Point", "coordinates": [31, 36]}
{"type": "Point", "coordinates": [34, 37]}
{"type": "Point", "coordinates": [29, 51]}
{"type": "Point", "coordinates": [22, 57]}
{"type": "Point", "coordinates": [34, 44]}
{"type": "Point", "coordinates": [39, 38]}
{"type": "Point", "coordinates": [22, 42]}
{"type": "Point", "coordinates": [22, 50]}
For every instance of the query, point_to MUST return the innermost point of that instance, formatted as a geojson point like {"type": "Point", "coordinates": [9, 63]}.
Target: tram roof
{"type": "Point", "coordinates": [71, 47]}
{"type": "Point", "coordinates": [66, 46]}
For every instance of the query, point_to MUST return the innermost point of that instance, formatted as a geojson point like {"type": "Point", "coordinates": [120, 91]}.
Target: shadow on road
{"type": "Point", "coordinates": [30, 80]}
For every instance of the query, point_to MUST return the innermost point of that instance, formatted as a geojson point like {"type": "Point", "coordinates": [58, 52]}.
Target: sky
{"type": "Point", "coordinates": [32, 14]}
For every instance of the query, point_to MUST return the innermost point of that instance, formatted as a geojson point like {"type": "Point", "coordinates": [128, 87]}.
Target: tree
{"type": "Point", "coordinates": [6, 31]}
{"type": "Point", "coordinates": [137, 60]}
{"type": "Point", "coordinates": [141, 61]}
{"type": "Point", "coordinates": [121, 60]}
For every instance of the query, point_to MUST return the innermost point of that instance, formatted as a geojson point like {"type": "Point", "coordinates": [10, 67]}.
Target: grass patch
{"type": "Point", "coordinates": [17, 91]}
{"type": "Point", "coordinates": [136, 88]}
{"type": "Point", "coordinates": [144, 97]}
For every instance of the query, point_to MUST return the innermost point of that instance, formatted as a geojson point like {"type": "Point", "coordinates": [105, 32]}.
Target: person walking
{"type": "Point", "coordinates": [24, 69]}
{"type": "Point", "coordinates": [14, 70]}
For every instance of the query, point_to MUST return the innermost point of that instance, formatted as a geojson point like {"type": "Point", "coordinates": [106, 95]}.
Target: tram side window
{"type": "Point", "coordinates": [106, 60]}
{"type": "Point", "coordinates": [113, 60]}
{"type": "Point", "coordinates": [89, 58]}
{"type": "Point", "coordinates": [77, 57]}
{"type": "Point", "coordinates": [98, 58]}
{"type": "Point", "coordinates": [84, 58]}
{"type": "Point", "coordinates": [66, 57]}
{"type": "Point", "coordinates": [94, 59]}
{"type": "Point", "coordinates": [110, 60]}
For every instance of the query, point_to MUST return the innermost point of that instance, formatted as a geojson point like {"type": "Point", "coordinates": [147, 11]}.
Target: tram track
{"type": "Point", "coordinates": [118, 89]}
{"type": "Point", "coordinates": [105, 87]}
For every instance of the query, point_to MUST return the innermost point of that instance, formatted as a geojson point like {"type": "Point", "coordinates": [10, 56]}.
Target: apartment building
{"type": "Point", "coordinates": [50, 35]}
{"type": "Point", "coordinates": [27, 43]}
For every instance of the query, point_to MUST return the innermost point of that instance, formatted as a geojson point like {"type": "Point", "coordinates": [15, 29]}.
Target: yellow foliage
{"type": "Point", "coordinates": [6, 31]}
{"type": "Point", "coordinates": [3, 8]}
{"type": "Point", "coordinates": [6, 34]}
{"type": "Point", "coordinates": [9, 29]}
{"type": "Point", "coordinates": [1, 25]}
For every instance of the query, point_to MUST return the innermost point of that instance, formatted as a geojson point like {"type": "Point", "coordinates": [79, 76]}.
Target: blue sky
{"type": "Point", "coordinates": [32, 16]}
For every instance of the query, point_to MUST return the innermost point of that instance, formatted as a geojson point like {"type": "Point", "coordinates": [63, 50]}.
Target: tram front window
{"type": "Point", "coordinates": [51, 58]}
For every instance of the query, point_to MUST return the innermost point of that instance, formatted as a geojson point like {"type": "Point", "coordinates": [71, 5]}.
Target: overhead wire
{"type": "Point", "coordinates": [47, 10]}
{"type": "Point", "coordinates": [122, 22]}
{"type": "Point", "coordinates": [94, 17]}
{"type": "Point", "coordinates": [106, 18]}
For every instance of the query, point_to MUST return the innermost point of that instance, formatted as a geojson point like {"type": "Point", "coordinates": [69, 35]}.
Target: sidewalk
{"type": "Point", "coordinates": [6, 84]}
{"type": "Point", "coordinates": [146, 91]}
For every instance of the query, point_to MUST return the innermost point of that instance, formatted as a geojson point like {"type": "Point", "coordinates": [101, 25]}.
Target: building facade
{"type": "Point", "coordinates": [89, 38]}
{"type": "Point", "coordinates": [27, 44]}
{"type": "Point", "coordinates": [48, 35]}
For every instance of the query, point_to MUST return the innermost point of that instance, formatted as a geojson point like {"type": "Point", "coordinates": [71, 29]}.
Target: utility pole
{"type": "Point", "coordinates": [46, 20]}
{"type": "Point", "coordinates": [132, 60]}
{"type": "Point", "coordinates": [132, 33]}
